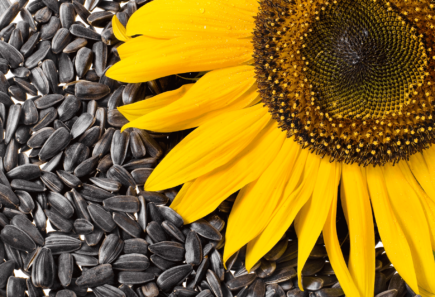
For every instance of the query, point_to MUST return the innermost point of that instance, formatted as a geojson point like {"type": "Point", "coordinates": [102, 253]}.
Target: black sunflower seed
{"type": "Point", "coordinates": [110, 249]}
{"type": "Point", "coordinates": [102, 147]}
{"type": "Point", "coordinates": [134, 278]}
{"type": "Point", "coordinates": [122, 203]}
{"type": "Point", "coordinates": [106, 184]}
{"type": "Point", "coordinates": [48, 101]}
{"type": "Point", "coordinates": [83, 61]}
{"type": "Point", "coordinates": [55, 143]}
{"type": "Point", "coordinates": [9, 14]}
{"type": "Point", "coordinates": [171, 277]}
{"type": "Point", "coordinates": [15, 286]}
{"type": "Point", "coordinates": [61, 204]}
{"type": "Point", "coordinates": [23, 223]}
{"type": "Point", "coordinates": [82, 226]}
{"type": "Point", "coordinates": [27, 171]}
{"type": "Point", "coordinates": [6, 270]}
{"type": "Point", "coordinates": [17, 238]}
{"type": "Point", "coordinates": [69, 179]}
{"type": "Point", "coordinates": [206, 230]}
{"type": "Point", "coordinates": [82, 124]}
{"type": "Point", "coordinates": [66, 69]}
{"type": "Point", "coordinates": [39, 80]}
{"type": "Point", "coordinates": [43, 271]}
{"type": "Point", "coordinates": [29, 113]}
{"type": "Point", "coordinates": [81, 11]}
{"type": "Point", "coordinates": [95, 193]}
{"type": "Point", "coordinates": [100, 18]}
{"type": "Point", "coordinates": [169, 250]}
{"type": "Point", "coordinates": [116, 119]}
{"type": "Point", "coordinates": [119, 147]}
{"type": "Point", "coordinates": [108, 290]}
{"type": "Point", "coordinates": [67, 15]}
{"type": "Point", "coordinates": [33, 60]}
{"type": "Point", "coordinates": [65, 269]}
{"type": "Point", "coordinates": [62, 244]}
{"type": "Point", "coordinates": [83, 32]}
{"type": "Point", "coordinates": [43, 15]}
{"type": "Point", "coordinates": [11, 54]}
{"type": "Point", "coordinates": [85, 90]}
{"type": "Point", "coordinates": [85, 260]}
{"type": "Point", "coordinates": [101, 217]}
{"type": "Point", "coordinates": [136, 246]}
{"type": "Point", "coordinates": [11, 156]}
{"type": "Point", "coordinates": [130, 226]}
{"type": "Point", "coordinates": [27, 205]}
{"type": "Point", "coordinates": [59, 221]}
{"type": "Point", "coordinates": [86, 167]}
{"type": "Point", "coordinates": [121, 175]}
{"type": "Point", "coordinates": [95, 276]}
{"type": "Point", "coordinates": [193, 249]}
{"type": "Point", "coordinates": [91, 136]}
{"type": "Point", "coordinates": [131, 262]}
{"type": "Point", "coordinates": [21, 72]}
{"type": "Point", "coordinates": [14, 115]}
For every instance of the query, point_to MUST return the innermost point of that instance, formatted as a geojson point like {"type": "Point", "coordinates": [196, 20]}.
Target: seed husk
{"type": "Point", "coordinates": [11, 54]}
{"type": "Point", "coordinates": [85, 90]}
{"type": "Point", "coordinates": [119, 147]}
{"type": "Point", "coordinates": [43, 271]}
{"type": "Point", "coordinates": [55, 143]}
{"type": "Point", "coordinates": [82, 124]}
{"type": "Point", "coordinates": [101, 217]}
{"type": "Point", "coordinates": [86, 167]}
{"type": "Point", "coordinates": [83, 61]}
{"type": "Point", "coordinates": [23, 223]}
{"type": "Point", "coordinates": [61, 204]}
{"type": "Point", "coordinates": [110, 249]}
{"type": "Point", "coordinates": [26, 202]}
{"type": "Point", "coordinates": [12, 121]}
{"type": "Point", "coordinates": [106, 184]}
{"type": "Point", "coordinates": [82, 226]}
{"type": "Point", "coordinates": [59, 221]}
{"type": "Point", "coordinates": [17, 238]}
{"type": "Point", "coordinates": [33, 60]}
{"type": "Point", "coordinates": [67, 15]}
{"type": "Point", "coordinates": [128, 225]}
{"type": "Point", "coordinates": [27, 171]}
{"type": "Point", "coordinates": [66, 69]}
{"type": "Point", "coordinates": [171, 277]}
{"type": "Point", "coordinates": [69, 179]}
{"type": "Point", "coordinates": [83, 32]}
{"type": "Point", "coordinates": [39, 80]}
{"type": "Point", "coordinates": [62, 244]}
{"type": "Point", "coordinates": [95, 276]}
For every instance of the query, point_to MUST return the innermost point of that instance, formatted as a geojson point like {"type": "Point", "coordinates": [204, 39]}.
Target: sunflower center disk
{"type": "Point", "coordinates": [352, 79]}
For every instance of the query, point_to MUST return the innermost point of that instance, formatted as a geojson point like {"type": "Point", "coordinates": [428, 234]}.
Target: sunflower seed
{"type": "Point", "coordinates": [5, 99]}
{"type": "Point", "coordinates": [62, 244]}
{"type": "Point", "coordinates": [101, 217]}
{"type": "Point", "coordinates": [60, 204]}
{"type": "Point", "coordinates": [173, 231]}
{"type": "Point", "coordinates": [23, 223]}
{"type": "Point", "coordinates": [156, 198]}
{"type": "Point", "coordinates": [10, 160]}
{"type": "Point", "coordinates": [83, 32]}
{"type": "Point", "coordinates": [39, 80]}
{"type": "Point", "coordinates": [43, 271]}
{"type": "Point", "coordinates": [277, 251]}
{"type": "Point", "coordinates": [152, 147]}
{"type": "Point", "coordinates": [116, 98]}
{"type": "Point", "coordinates": [169, 250]}
{"type": "Point", "coordinates": [280, 275]}
{"type": "Point", "coordinates": [132, 93]}
{"type": "Point", "coordinates": [100, 19]}
{"type": "Point", "coordinates": [28, 171]}
{"type": "Point", "coordinates": [241, 281]}
{"type": "Point", "coordinates": [90, 137]}
{"type": "Point", "coordinates": [83, 61]}
{"type": "Point", "coordinates": [11, 54]}
{"type": "Point", "coordinates": [82, 124]}
{"type": "Point", "coordinates": [134, 278]}
{"type": "Point", "coordinates": [66, 69]}
{"type": "Point", "coordinates": [12, 121]}
{"type": "Point", "coordinates": [128, 225]}
{"type": "Point", "coordinates": [48, 101]}
{"type": "Point", "coordinates": [23, 86]}
{"type": "Point", "coordinates": [59, 221]}
{"type": "Point", "coordinates": [136, 246]}
{"type": "Point", "coordinates": [55, 143]}
{"type": "Point", "coordinates": [131, 262]}
{"type": "Point", "coordinates": [81, 11]}
{"type": "Point", "coordinates": [171, 277]}
{"type": "Point", "coordinates": [90, 90]}
{"type": "Point", "coordinates": [65, 268]}
{"type": "Point", "coordinates": [119, 173]}
{"type": "Point", "coordinates": [137, 146]}
{"type": "Point", "coordinates": [215, 284]}
{"type": "Point", "coordinates": [67, 15]}
{"type": "Point", "coordinates": [26, 202]}
{"type": "Point", "coordinates": [91, 107]}
{"type": "Point", "coordinates": [106, 184]}
{"type": "Point", "coordinates": [119, 147]}
{"type": "Point", "coordinates": [86, 167]}
{"type": "Point", "coordinates": [21, 72]}
{"type": "Point", "coordinates": [92, 239]}
{"type": "Point", "coordinates": [29, 113]}
{"type": "Point", "coordinates": [155, 213]}
{"type": "Point", "coordinates": [85, 260]}
{"type": "Point", "coordinates": [115, 118]}
{"type": "Point", "coordinates": [33, 60]}
{"type": "Point", "coordinates": [161, 263]}
{"type": "Point", "coordinates": [82, 226]}
{"type": "Point", "coordinates": [312, 266]}
{"type": "Point", "coordinates": [193, 248]}
{"type": "Point", "coordinates": [102, 147]}
{"type": "Point", "coordinates": [110, 249]}
{"type": "Point", "coordinates": [15, 286]}
{"type": "Point", "coordinates": [9, 14]}
{"type": "Point", "coordinates": [100, 56]}
{"type": "Point", "coordinates": [68, 179]}
{"type": "Point", "coordinates": [150, 289]}
{"type": "Point", "coordinates": [204, 229]}
{"type": "Point", "coordinates": [108, 290]}
{"type": "Point", "coordinates": [17, 238]}
{"type": "Point", "coordinates": [66, 293]}
{"type": "Point", "coordinates": [38, 139]}
{"type": "Point", "coordinates": [43, 15]}
{"type": "Point", "coordinates": [16, 40]}
{"type": "Point", "coordinates": [95, 276]}
{"type": "Point", "coordinates": [6, 270]}
{"type": "Point", "coordinates": [95, 193]}
{"type": "Point", "coordinates": [122, 203]}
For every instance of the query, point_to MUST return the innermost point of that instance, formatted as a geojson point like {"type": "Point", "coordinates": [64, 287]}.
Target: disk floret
{"type": "Point", "coordinates": [352, 79]}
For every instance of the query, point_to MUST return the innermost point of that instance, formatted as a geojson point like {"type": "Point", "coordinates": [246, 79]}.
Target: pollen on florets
{"type": "Point", "coordinates": [351, 79]}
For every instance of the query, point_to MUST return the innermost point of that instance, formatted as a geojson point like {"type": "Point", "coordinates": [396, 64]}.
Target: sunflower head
{"type": "Point", "coordinates": [349, 79]}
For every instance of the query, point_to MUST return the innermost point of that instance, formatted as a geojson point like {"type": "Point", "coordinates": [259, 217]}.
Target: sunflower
{"type": "Point", "coordinates": [304, 102]}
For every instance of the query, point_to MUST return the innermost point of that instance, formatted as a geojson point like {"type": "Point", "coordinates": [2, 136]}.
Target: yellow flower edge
{"type": "Point", "coordinates": [237, 145]}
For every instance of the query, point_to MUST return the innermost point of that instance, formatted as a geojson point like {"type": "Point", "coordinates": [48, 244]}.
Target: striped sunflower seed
{"type": "Point", "coordinates": [136, 246]}
{"type": "Point", "coordinates": [27, 205]}
{"type": "Point", "coordinates": [61, 204]}
{"type": "Point", "coordinates": [171, 277]}
{"type": "Point", "coordinates": [110, 249]}
{"type": "Point", "coordinates": [80, 31]}
{"type": "Point", "coordinates": [27, 171]}
{"type": "Point", "coordinates": [48, 100]}
{"type": "Point", "coordinates": [43, 271]}
{"type": "Point", "coordinates": [59, 244]}
{"type": "Point", "coordinates": [82, 124]}
{"type": "Point", "coordinates": [122, 203]}
{"type": "Point", "coordinates": [121, 175]}
{"type": "Point", "coordinates": [91, 136]}
{"type": "Point", "coordinates": [131, 262]}
{"type": "Point", "coordinates": [86, 167]}
{"type": "Point", "coordinates": [135, 277]}
{"type": "Point", "coordinates": [59, 221]}
{"type": "Point", "coordinates": [60, 40]}
{"type": "Point", "coordinates": [119, 147]}
{"type": "Point", "coordinates": [82, 226]}
{"type": "Point", "coordinates": [55, 143]}
{"type": "Point", "coordinates": [66, 69]}
{"type": "Point", "coordinates": [65, 269]}
{"type": "Point", "coordinates": [23, 223]}
{"type": "Point", "coordinates": [85, 260]}
{"type": "Point", "coordinates": [39, 80]}
{"type": "Point", "coordinates": [95, 276]}
{"type": "Point", "coordinates": [11, 54]}
{"type": "Point", "coordinates": [85, 90]}
{"type": "Point", "coordinates": [106, 184]}
{"type": "Point", "coordinates": [17, 238]}
{"type": "Point", "coordinates": [127, 224]}
{"type": "Point", "coordinates": [69, 179]}
{"type": "Point", "coordinates": [101, 217]}
{"type": "Point", "coordinates": [169, 250]}
{"type": "Point", "coordinates": [33, 60]}
{"type": "Point", "coordinates": [67, 15]}
{"type": "Point", "coordinates": [83, 61]}
{"type": "Point", "coordinates": [108, 290]}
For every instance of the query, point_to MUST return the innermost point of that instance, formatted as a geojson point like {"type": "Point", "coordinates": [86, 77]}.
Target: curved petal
{"type": "Point", "coordinates": [180, 196]}
{"type": "Point", "coordinates": [208, 147]}
{"type": "Point", "coordinates": [119, 30]}
{"type": "Point", "coordinates": [255, 204]}
{"type": "Point", "coordinates": [392, 235]}
{"type": "Point", "coordinates": [411, 217]}
{"type": "Point", "coordinates": [138, 44]}
{"type": "Point", "coordinates": [209, 190]}
{"type": "Point", "coordinates": [181, 55]}
{"type": "Point", "coordinates": [312, 217]}
{"type": "Point", "coordinates": [298, 190]}
{"type": "Point", "coordinates": [138, 109]}
{"type": "Point", "coordinates": [420, 170]}
{"type": "Point", "coordinates": [358, 212]}
{"type": "Point", "coordinates": [217, 92]}
{"type": "Point", "coordinates": [174, 18]}
{"type": "Point", "coordinates": [335, 254]}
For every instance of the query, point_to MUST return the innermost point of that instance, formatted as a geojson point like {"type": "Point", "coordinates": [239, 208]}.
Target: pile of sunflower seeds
{"type": "Point", "coordinates": [65, 163]}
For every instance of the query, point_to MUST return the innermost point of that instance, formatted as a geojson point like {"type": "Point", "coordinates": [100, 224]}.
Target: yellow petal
{"type": "Point", "coordinates": [423, 197]}
{"type": "Point", "coordinates": [335, 254]}
{"type": "Point", "coordinates": [175, 18]}
{"type": "Point", "coordinates": [420, 170]}
{"type": "Point", "coordinates": [181, 194]}
{"type": "Point", "coordinates": [181, 55]}
{"type": "Point", "coordinates": [392, 235]}
{"type": "Point", "coordinates": [119, 30]}
{"type": "Point", "coordinates": [138, 44]}
{"type": "Point", "coordinates": [312, 217]}
{"type": "Point", "coordinates": [209, 190]}
{"type": "Point", "coordinates": [358, 212]}
{"type": "Point", "coordinates": [217, 92]}
{"type": "Point", "coordinates": [298, 190]}
{"type": "Point", "coordinates": [208, 147]}
{"type": "Point", "coordinates": [255, 204]}
{"type": "Point", "coordinates": [138, 109]}
{"type": "Point", "coordinates": [411, 217]}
